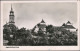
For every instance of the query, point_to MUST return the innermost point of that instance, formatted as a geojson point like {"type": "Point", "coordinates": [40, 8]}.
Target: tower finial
{"type": "Point", "coordinates": [11, 7]}
{"type": "Point", "coordinates": [42, 21]}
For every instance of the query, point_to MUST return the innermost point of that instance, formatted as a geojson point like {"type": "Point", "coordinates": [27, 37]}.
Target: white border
{"type": "Point", "coordinates": [38, 47]}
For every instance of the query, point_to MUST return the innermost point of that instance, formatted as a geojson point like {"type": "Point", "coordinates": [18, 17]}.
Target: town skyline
{"type": "Point", "coordinates": [33, 13]}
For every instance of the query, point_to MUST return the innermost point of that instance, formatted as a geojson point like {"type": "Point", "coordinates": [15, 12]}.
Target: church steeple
{"type": "Point", "coordinates": [11, 11]}
{"type": "Point", "coordinates": [11, 16]}
{"type": "Point", "coordinates": [11, 7]}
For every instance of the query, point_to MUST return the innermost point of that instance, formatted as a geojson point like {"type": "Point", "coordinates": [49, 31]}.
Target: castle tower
{"type": "Point", "coordinates": [42, 26]}
{"type": "Point", "coordinates": [11, 16]}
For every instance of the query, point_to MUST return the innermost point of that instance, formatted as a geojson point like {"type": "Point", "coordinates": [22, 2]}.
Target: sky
{"type": "Point", "coordinates": [29, 14]}
{"type": "Point", "coordinates": [41, 0]}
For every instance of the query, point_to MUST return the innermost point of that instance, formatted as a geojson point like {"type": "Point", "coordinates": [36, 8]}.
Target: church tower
{"type": "Point", "coordinates": [11, 16]}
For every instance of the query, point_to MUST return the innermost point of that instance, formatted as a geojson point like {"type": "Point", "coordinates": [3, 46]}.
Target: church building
{"type": "Point", "coordinates": [10, 26]}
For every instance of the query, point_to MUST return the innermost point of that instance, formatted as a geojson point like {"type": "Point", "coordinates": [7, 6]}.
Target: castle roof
{"type": "Point", "coordinates": [69, 22]}
{"type": "Point", "coordinates": [42, 21]}
{"type": "Point", "coordinates": [63, 24]}
{"type": "Point", "coordinates": [68, 25]}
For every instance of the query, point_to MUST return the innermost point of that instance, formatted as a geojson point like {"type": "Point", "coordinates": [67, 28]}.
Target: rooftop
{"type": "Point", "coordinates": [42, 21]}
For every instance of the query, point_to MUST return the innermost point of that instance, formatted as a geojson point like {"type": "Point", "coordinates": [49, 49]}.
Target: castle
{"type": "Point", "coordinates": [39, 27]}
{"type": "Point", "coordinates": [41, 33]}
{"type": "Point", "coordinates": [69, 26]}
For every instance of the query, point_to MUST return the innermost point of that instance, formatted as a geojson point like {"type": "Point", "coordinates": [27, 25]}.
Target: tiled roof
{"type": "Point", "coordinates": [69, 26]}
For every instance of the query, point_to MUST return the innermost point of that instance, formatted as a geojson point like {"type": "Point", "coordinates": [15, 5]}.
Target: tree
{"type": "Point", "coordinates": [49, 28]}
{"type": "Point", "coordinates": [6, 33]}
{"type": "Point", "coordinates": [24, 36]}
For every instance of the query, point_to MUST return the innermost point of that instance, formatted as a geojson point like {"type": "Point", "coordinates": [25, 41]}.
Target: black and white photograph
{"type": "Point", "coordinates": [40, 24]}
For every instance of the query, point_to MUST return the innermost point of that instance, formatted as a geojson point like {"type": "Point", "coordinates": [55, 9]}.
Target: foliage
{"type": "Point", "coordinates": [54, 36]}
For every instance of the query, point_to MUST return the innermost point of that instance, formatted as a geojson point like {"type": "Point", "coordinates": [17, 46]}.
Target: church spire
{"type": "Point", "coordinates": [11, 11]}
{"type": "Point", "coordinates": [11, 16]}
{"type": "Point", "coordinates": [11, 7]}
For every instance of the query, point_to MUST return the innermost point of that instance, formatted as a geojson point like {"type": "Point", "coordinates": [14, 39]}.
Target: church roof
{"type": "Point", "coordinates": [42, 21]}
